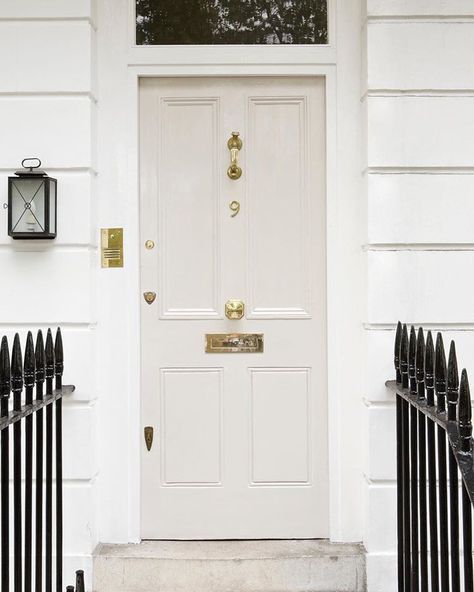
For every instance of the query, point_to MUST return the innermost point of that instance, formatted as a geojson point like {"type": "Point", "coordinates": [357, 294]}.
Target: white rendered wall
{"type": "Point", "coordinates": [47, 109]}
{"type": "Point", "coordinates": [420, 181]}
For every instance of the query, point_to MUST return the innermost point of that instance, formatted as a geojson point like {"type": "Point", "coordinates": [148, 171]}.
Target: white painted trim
{"type": "Point", "coordinates": [340, 339]}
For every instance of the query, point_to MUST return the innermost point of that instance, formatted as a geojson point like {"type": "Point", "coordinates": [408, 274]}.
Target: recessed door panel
{"type": "Point", "coordinates": [279, 278]}
{"type": "Point", "coordinates": [188, 203]}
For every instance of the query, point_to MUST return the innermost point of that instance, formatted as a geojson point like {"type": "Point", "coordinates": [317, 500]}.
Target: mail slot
{"type": "Point", "coordinates": [234, 343]}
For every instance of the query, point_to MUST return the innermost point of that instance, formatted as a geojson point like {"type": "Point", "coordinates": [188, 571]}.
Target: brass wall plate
{"type": "Point", "coordinates": [111, 247]}
{"type": "Point", "coordinates": [234, 343]}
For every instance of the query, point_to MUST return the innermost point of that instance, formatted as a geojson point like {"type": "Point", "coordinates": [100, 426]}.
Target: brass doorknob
{"type": "Point", "coordinates": [234, 309]}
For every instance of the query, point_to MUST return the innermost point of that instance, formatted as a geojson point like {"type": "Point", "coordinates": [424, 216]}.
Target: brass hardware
{"type": "Point", "coordinates": [234, 309]}
{"type": "Point", "coordinates": [148, 432]}
{"type": "Point", "coordinates": [149, 297]}
{"type": "Point", "coordinates": [111, 246]}
{"type": "Point", "coordinates": [234, 144]}
{"type": "Point", "coordinates": [234, 343]}
{"type": "Point", "coordinates": [235, 208]}
{"type": "Point", "coordinates": [149, 244]}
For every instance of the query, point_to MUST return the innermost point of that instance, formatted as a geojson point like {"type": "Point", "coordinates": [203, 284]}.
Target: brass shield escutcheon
{"type": "Point", "coordinates": [148, 437]}
{"type": "Point", "coordinates": [149, 297]}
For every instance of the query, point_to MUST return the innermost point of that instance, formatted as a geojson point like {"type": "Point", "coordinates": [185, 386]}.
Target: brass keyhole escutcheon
{"type": "Point", "coordinates": [234, 309]}
{"type": "Point", "coordinates": [148, 433]}
{"type": "Point", "coordinates": [234, 144]}
{"type": "Point", "coordinates": [149, 297]}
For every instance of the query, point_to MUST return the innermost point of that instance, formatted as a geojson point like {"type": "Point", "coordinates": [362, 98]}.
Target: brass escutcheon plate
{"type": "Point", "coordinates": [234, 343]}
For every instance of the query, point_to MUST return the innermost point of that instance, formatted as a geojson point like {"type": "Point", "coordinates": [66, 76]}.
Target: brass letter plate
{"type": "Point", "coordinates": [111, 246]}
{"type": "Point", "coordinates": [234, 343]}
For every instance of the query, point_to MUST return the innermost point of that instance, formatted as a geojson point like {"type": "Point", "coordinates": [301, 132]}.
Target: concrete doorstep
{"type": "Point", "coordinates": [230, 566]}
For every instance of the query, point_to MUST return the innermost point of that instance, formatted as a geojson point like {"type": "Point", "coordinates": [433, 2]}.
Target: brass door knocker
{"type": "Point", "coordinates": [234, 144]}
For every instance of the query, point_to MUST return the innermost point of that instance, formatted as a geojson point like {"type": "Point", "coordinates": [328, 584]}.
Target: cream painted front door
{"type": "Point", "coordinates": [239, 439]}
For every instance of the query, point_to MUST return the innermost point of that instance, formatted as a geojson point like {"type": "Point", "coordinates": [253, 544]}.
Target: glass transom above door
{"type": "Point", "coordinates": [247, 22]}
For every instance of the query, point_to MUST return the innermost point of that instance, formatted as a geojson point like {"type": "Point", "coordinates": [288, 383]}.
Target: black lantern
{"type": "Point", "coordinates": [31, 203]}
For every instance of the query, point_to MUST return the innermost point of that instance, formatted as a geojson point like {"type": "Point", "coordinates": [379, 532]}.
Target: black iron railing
{"type": "Point", "coordinates": [33, 416]}
{"type": "Point", "coordinates": [435, 470]}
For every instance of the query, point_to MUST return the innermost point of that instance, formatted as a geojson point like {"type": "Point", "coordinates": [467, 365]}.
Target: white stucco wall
{"type": "Point", "coordinates": [47, 109]}
{"type": "Point", "coordinates": [420, 166]}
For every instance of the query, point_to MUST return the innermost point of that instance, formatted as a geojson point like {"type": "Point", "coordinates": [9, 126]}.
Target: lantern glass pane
{"type": "Point", "coordinates": [28, 211]}
{"type": "Point", "coordinates": [52, 206]}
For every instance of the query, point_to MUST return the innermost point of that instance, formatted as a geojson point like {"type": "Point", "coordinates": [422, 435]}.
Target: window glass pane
{"type": "Point", "coordinates": [182, 22]}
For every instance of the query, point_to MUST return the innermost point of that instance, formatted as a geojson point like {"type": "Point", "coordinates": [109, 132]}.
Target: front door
{"type": "Point", "coordinates": [233, 254]}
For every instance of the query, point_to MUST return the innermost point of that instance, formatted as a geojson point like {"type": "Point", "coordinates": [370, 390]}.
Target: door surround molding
{"type": "Point", "coordinates": [121, 66]}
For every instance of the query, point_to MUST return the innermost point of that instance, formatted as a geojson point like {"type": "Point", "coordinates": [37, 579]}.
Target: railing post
{"type": "Point", "coordinates": [5, 473]}
{"type": "Point", "coordinates": [49, 374]}
{"type": "Point", "coordinates": [420, 384]}
{"type": "Point", "coordinates": [29, 377]}
{"type": "Point", "coordinates": [17, 387]}
{"type": "Point", "coordinates": [40, 373]}
{"type": "Point", "coordinates": [465, 433]}
{"type": "Point", "coordinates": [432, 489]}
{"type": "Point", "coordinates": [58, 371]}
{"type": "Point", "coordinates": [440, 384]}
{"type": "Point", "coordinates": [398, 374]}
{"type": "Point", "coordinates": [414, 464]}
{"type": "Point", "coordinates": [406, 462]}
{"type": "Point", "coordinates": [452, 398]}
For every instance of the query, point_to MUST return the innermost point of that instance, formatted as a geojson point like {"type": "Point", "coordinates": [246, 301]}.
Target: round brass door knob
{"type": "Point", "coordinates": [234, 309]}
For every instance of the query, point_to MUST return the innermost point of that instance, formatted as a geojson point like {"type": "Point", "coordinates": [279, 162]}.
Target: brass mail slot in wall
{"type": "Point", "coordinates": [234, 343]}
{"type": "Point", "coordinates": [111, 243]}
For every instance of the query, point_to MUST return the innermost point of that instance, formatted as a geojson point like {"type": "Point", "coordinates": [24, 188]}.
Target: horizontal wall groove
{"type": "Point", "coordinates": [56, 170]}
{"type": "Point", "coordinates": [74, 326]}
{"type": "Point", "coordinates": [379, 482]}
{"type": "Point", "coordinates": [62, 94]}
{"type": "Point", "coordinates": [49, 19]}
{"type": "Point", "coordinates": [372, 404]}
{"type": "Point", "coordinates": [427, 326]}
{"type": "Point", "coordinates": [418, 92]}
{"type": "Point", "coordinates": [420, 18]}
{"type": "Point", "coordinates": [33, 247]}
{"type": "Point", "coordinates": [419, 247]}
{"type": "Point", "coordinates": [409, 170]}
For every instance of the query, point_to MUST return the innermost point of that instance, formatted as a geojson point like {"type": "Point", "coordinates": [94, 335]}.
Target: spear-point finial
{"type": "Point", "coordinates": [429, 369]}
{"type": "Point", "coordinates": [420, 364]}
{"type": "Point", "coordinates": [396, 356]}
{"type": "Point", "coordinates": [40, 357]}
{"type": "Point", "coordinates": [464, 413]}
{"type": "Point", "coordinates": [49, 355]}
{"type": "Point", "coordinates": [29, 368]}
{"type": "Point", "coordinates": [453, 382]}
{"type": "Point", "coordinates": [412, 360]}
{"type": "Point", "coordinates": [4, 369]}
{"type": "Point", "coordinates": [17, 365]}
{"type": "Point", "coordinates": [404, 357]}
{"type": "Point", "coordinates": [440, 374]}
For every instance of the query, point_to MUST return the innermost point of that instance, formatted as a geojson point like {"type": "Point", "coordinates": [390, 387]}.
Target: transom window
{"type": "Point", "coordinates": [260, 22]}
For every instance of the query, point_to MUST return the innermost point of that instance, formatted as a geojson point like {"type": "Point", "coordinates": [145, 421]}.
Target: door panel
{"type": "Point", "coordinates": [280, 282]}
{"type": "Point", "coordinates": [188, 205]}
{"type": "Point", "coordinates": [240, 446]}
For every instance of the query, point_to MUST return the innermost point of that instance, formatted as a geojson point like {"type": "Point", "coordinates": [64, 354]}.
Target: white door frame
{"type": "Point", "coordinates": [121, 70]}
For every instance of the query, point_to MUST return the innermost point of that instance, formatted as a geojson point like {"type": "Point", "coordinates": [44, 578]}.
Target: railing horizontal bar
{"type": "Point", "coordinates": [465, 461]}
{"type": "Point", "coordinates": [27, 410]}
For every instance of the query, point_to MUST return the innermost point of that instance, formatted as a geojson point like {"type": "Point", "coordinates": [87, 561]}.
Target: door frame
{"type": "Point", "coordinates": [122, 66]}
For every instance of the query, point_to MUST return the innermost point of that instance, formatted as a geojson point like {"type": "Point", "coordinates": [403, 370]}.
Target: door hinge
{"type": "Point", "coordinates": [148, 437]}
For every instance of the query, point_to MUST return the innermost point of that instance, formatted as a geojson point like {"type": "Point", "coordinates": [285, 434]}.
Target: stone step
{"type": "Point", "coordinates": [230, 566]}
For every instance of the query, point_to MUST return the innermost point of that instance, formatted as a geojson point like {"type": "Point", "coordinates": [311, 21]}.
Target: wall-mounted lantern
{"type": "Point", "coordinates": [31, 203]}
